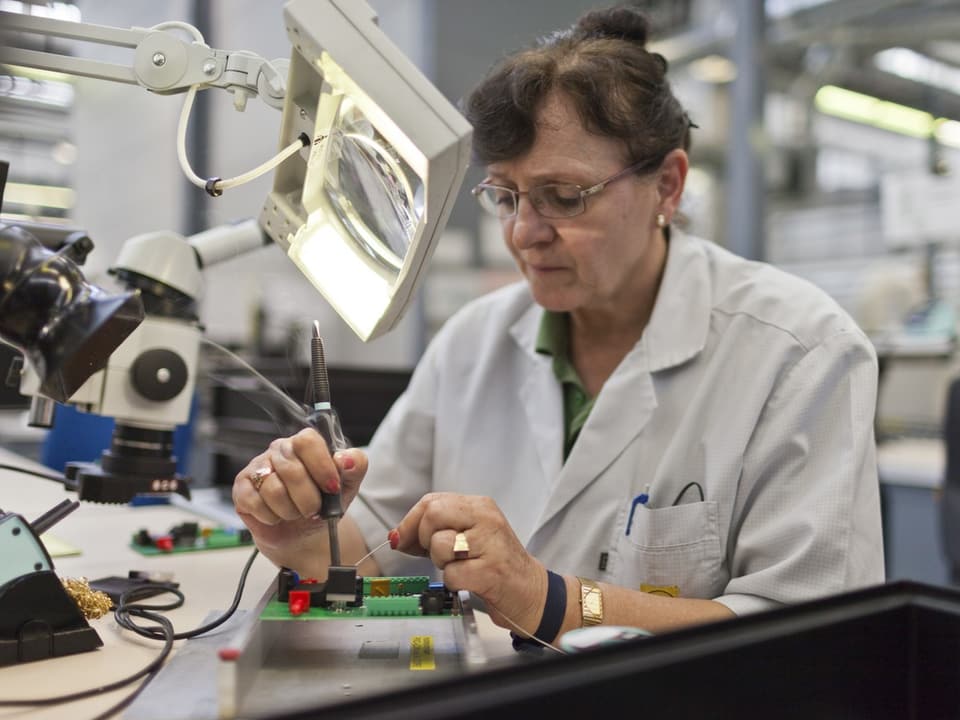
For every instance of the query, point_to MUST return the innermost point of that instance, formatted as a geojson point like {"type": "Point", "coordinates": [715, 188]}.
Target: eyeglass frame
{"type": "Point", "coordinates": [478, 190]}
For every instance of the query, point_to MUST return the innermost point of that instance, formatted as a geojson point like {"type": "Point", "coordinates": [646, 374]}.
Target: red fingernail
{"type": "Point", "coordinates": [348, 463]}
{"type": "Point", "coordinates": [334, 485]}
{"type": "Point", "coordinates": [394, 537]}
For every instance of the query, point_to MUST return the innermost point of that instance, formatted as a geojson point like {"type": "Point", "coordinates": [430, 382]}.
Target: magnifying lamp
{"type": "Point", "coordinates": [362, 211]}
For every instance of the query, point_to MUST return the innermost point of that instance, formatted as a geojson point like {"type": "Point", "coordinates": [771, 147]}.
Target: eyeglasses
{"type": "Point", "coordinates": [556, 200]}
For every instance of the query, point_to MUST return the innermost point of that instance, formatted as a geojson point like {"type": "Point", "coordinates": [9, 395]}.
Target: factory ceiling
{"type": "Point", "coordinates": [809, 43]}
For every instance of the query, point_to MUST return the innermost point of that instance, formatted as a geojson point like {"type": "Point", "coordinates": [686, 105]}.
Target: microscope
{"type": "Point", "coordinates": [147, 382]}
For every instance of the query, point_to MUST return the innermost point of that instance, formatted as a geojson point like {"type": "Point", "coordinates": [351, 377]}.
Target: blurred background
{"type": "Point", "coordinates": [828, 142]}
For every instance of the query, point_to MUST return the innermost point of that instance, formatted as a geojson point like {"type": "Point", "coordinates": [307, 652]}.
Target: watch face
{"type": "Point", "coordinates": [586, 638]}
{"type": "Point", "coordinates": [591, 601]}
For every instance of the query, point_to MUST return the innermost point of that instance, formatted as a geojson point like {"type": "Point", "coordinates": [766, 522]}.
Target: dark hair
{"type": "Point", "coordinates": [618, 87]}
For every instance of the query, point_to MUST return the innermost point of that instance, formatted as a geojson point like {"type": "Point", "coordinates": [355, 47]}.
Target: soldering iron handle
{"type": "Point", "coordinates": [325, 423]}
{"type": "Point", "coordinates": [330, 506]}
{"type": "Point", "coordinates": [324, 420]}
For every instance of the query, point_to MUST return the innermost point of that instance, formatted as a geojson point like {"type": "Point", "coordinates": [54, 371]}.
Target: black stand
{"type": "Point", "coordinates": [39, 620]}
{"type": "Point", "coordinates": [139, 461]}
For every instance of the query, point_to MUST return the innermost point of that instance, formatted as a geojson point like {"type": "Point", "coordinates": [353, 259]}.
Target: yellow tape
{"type": "Point", "coordinates": [379, 587]}
{"type": "Point", "coordinates": [421, 653]}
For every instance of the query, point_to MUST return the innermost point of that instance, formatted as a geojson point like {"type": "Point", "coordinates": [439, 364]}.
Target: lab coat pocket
{"type": "Point", "coordinates": [672, 550]}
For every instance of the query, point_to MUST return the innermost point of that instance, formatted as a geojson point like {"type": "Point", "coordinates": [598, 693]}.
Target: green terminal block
{"type": "Point", "coordinates": [393, 605]}
{"type": "Point", "coordinates": [402, 585]}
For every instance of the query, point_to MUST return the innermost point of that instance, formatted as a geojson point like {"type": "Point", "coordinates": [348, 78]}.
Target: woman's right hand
{"type": "Point", "coordinates": [277, 495]}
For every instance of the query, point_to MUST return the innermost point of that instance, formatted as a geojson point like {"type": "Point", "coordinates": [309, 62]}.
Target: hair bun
{"type": "Point", "coordinates": [625, 23]}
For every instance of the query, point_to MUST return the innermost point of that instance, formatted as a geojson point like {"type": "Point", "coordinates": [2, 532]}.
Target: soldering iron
{"type": "Point", "coordinates": [324, 420]}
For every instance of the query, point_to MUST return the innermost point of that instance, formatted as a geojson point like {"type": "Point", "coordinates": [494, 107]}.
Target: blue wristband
{"type": "Point", "coordinates": [553, 612]}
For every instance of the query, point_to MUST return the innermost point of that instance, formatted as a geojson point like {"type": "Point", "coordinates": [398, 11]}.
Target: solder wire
{"type": "Point", "coordinates": [385, 542]}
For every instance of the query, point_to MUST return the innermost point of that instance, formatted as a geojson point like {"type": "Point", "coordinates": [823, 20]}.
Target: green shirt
{"type": "Point", "coordinates": [553, 340]}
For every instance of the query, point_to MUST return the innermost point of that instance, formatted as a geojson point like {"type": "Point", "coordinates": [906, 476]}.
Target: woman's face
{"type": "Point", "coordinates": [609, 257]}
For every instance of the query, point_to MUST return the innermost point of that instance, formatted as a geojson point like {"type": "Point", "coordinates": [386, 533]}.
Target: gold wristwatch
{"type": "Point", "coordinates": [591, 603]}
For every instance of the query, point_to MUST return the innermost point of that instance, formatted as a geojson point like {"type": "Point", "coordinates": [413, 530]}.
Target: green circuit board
{"type": "Point", "coordinates": [205, 538]}
{"type": "Point", "coordinates": [383, 597]}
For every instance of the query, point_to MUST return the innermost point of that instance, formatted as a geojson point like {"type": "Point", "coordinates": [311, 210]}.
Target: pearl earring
{"type": "Point", "coordinates": [661, 220]}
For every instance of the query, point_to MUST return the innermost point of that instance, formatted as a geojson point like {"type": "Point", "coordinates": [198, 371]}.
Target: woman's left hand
{"type": "Point", "coordinates": [497, 567]}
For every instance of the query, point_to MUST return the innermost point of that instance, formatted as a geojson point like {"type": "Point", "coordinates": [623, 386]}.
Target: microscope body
{"type": "Point", "coordinates": [148, 383]}
{"type": "Point", "coordinates": [147, 387]}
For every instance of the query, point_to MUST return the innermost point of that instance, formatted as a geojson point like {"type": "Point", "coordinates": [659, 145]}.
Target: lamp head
{"type": "Point", "coordinates": [64, 326]}
{"type": "Point", "coordinates": [362, 211]}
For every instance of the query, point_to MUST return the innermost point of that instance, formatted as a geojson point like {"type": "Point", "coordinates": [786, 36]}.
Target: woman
{"type": "Point", "coordinates": [648, 431]}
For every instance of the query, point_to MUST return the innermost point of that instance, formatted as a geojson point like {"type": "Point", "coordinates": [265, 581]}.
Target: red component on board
{"type": "Point", "coordinates": [298, 602]}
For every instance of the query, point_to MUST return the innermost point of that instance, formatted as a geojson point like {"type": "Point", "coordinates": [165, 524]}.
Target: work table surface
{"type": "Point", "coordinates": [102, 533]}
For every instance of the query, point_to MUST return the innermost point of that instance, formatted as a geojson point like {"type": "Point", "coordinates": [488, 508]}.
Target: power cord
{"type": "Point", "coordinates": [215, 186]}
{"type": "Point", "coordinates": [36, 473]}
{"type": "Point", "coordinates": [149, 671]}
{"type": "Point", "coordinates": [128, 608]}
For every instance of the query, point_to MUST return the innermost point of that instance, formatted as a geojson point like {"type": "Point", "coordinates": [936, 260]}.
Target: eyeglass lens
{"type": "Point", "coordinates": [548, 200]}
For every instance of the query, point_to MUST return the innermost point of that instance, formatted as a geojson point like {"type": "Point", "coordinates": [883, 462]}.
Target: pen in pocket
{"type": "Point", "coordinates": [640, 499]}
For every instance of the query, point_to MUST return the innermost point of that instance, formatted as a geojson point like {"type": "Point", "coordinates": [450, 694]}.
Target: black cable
{"type": "Point", "coordinates": [687, 487]}
{"type": "Point", "coordinates": [127, 607]}
{"type": "Point", "coordinates": [152, 668]}
{"type": "Point", "coordinates": [124, 609]}
{"type": "Point", "coordinates": [37, 473]}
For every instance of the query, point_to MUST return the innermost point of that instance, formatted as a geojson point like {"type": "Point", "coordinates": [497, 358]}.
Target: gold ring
{"type": "Point", "coordinates": [258, 476]}
{"type": "Point", "coordinates": [461, 548]}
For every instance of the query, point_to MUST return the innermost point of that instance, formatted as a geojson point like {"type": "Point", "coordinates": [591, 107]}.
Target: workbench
{"type": "Point", "coordinates": [102, 535]}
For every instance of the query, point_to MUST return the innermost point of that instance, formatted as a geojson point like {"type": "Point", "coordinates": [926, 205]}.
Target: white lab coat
{"type": "Point", "coordinates": [749, 381]}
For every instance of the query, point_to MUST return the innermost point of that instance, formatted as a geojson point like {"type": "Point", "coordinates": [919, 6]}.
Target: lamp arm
{"type": "Point", "coordinates": [162, 63]}
{"type": "Point", "coordinates": [176, 261]}
{"type": "Point", "coordinates": [224, 242]}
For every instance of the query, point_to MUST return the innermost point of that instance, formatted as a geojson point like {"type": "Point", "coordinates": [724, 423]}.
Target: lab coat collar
{"type": "Point", "coordinates": [540, 394]}
{"type": "Point", "coordinates": [680, 321]}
